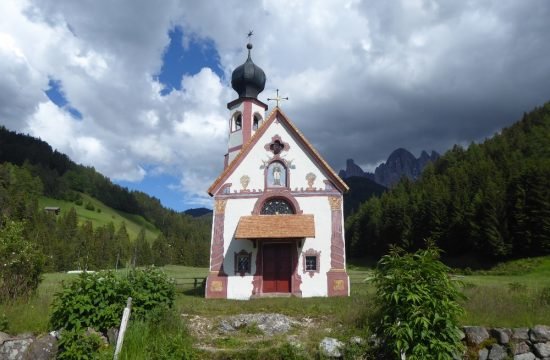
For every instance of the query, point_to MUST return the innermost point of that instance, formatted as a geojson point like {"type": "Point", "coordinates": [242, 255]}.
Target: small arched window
{"type": "Point", "coordinates": [276, 207]}
{"type": "Point", "coordinates": [237, 122]}
{"type": "Point", "coordinates": [256, 122]}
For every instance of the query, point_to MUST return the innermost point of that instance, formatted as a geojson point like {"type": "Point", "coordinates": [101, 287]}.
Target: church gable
{"type": "Point", "coordinates": [278, 156]}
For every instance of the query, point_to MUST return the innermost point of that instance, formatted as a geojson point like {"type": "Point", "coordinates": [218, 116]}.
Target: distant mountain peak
{"type": "Point", "coordinates": [401, 162]}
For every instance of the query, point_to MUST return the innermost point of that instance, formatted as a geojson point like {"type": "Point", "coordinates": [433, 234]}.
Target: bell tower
{"type": "Point", "coordinates": [247, 113]}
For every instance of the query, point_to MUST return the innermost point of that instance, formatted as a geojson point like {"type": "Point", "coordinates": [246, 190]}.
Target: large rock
{"type": "Point", "coordinates": [482, 354]}
{"type": "Point", "coordinates": [331, 347]}
{"type": "Point", "coordinates": [520, 334]}
{"type": "Point", "coordinates": [15, 348]}
{"type": "Point", "coordinates": [540, 333]}
{"type": "Point", "coordinates": [526, 356]}
{"type": "Point", "coordinates": [502, 335]}
{"type": "Point", "coordinates": [44, 348]}
{"type": "Point", "coordinates": [498, 352]}
{"type": "Point", "coordinates": [3, 337]}
{"type": "Point", "coordinates": [475, 335]}
{"type": "Point", "coordinates": [542, 349]}
{"type": "Point", "coordinates": [269, 324]}
{"type": "Point", "coordinates": [520, 348]}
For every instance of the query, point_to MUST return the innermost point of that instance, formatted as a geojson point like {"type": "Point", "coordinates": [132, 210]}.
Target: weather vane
{"type": "Point", "coordinates": [250, 33]}
{"type": "Point", "coordinates": [277, 99]}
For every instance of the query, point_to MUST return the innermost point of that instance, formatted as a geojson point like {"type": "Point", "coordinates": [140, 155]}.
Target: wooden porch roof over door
{"type": "Point", "coordinates": [276, 226]}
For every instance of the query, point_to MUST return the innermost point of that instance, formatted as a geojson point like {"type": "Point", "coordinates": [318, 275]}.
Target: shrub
{"type": "Point", "coordinates": [418, 311]}
{"type": "Point", "coordinates": [77, 345]}
{"type": "Point", "coordinates": [21, 263]}
{"type": "Point", "coordinates": [97, 299]}
{"type": "Point", "coordinates": [89, 206]}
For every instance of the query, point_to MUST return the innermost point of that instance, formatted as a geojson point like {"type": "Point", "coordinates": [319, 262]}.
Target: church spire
{"type": "Point", "coordinates": [247, 112]}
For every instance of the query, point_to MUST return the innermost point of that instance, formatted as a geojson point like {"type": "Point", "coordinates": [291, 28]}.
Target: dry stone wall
{"type": "Point", "coordinates": [505, 343]}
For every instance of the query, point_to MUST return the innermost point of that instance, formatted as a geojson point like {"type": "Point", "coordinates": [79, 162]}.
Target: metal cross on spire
{"type": "Point", "coordinates": [250, 33]}
{"type": "Point", "coordinates": [277, 99]}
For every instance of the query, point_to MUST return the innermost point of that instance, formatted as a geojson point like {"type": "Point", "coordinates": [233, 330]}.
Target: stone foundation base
{"type": "Point", "coordinates": [216, 286]}
{"type": "Point", "coordinates": [337, 282]}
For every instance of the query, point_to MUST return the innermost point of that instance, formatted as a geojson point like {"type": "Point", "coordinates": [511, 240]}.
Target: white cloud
{"type": "Point", "coordinates": [363, 77]}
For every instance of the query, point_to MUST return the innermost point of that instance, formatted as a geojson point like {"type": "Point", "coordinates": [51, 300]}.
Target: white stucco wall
{"type": "Point", "coordinates": [240, 287]}
{"type": "Point", "coordinates": [300, 160]}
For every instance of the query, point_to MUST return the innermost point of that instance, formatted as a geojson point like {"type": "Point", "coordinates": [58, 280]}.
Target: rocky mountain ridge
{"type": "Point", "coordinates": [400, 163]}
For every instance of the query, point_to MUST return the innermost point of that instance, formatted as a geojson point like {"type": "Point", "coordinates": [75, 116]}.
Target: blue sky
{"type": "Point", "coordinates": [138, 89]}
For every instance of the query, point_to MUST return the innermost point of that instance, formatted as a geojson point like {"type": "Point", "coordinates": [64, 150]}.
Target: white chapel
{"type": "Point", "coordinates": [278, 226]}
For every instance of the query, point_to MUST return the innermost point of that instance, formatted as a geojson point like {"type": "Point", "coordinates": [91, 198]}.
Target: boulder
{"type": "Point", "coordinates": [526, 356]}
{"type": "Point", "coordinates": [502, 335]}
{"type": "Point", "coordinates": [520, 334]}
{"type": "Point", "coordinates": [483, 354]}
{"type": "Point", "coordinates": [331, 347]}
{"type": "Point", "coordinates": [3, 337]}
{"type": "Point", "coordinates": [475, 335]}
{"type": "Point", "coordinates": [269, 324]}
{"type": "Point", "coordinates": [498, 352]}
{"type": "Point", "coordinates": [43, 348]}
{"type": "Point", "coordinates": [542, 349]}
{"type": "Point", "coordinates": [15, 348]}
{"type": "Point", "coordinates": [112, 335]}
{"type": "Point", "coordinates": [520, 348]}
{"type": "Point", "coordinates": [540, 333]}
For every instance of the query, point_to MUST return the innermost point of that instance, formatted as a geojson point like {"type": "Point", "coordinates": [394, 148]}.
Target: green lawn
{"type": "Point", "coordinates": [134, 223]}
{"type": "Point", "coordinates": [509, 300]}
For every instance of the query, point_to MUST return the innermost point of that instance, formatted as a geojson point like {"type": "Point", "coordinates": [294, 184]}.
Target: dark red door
{"type": "Point", "coordinates": [277, 269]}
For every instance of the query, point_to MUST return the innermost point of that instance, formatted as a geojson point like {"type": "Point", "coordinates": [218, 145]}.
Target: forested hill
{"type": "Point", "coordinates": [29, 168]}
{"type": "Point", "coordinates": [491, 200]}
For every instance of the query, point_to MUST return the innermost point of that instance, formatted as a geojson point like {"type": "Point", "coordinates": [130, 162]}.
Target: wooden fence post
{"type": "Point", "coordinates": [122, 330]}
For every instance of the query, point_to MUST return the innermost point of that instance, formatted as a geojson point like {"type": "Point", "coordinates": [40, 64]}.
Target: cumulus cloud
{"type": "Point", "coordinates": [363, 77]}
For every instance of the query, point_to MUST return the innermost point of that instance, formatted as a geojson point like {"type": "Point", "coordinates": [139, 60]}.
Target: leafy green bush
{"type": "Point", "coordinates": [418, 311]}
{"type": "Point", "coordinates": [21, 263]}
{"type": "Point", "coordinates": [89, 206]}
{"type": "Point", "coordinates": [97, 299]}
{"type": "Point", "coordinates": [76, 345]}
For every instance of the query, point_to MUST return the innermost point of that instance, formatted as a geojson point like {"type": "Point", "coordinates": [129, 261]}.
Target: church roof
{"type": "Point", "coordinates": [277, 113]}
{"type": "Point", "coordinates": [275, 226]}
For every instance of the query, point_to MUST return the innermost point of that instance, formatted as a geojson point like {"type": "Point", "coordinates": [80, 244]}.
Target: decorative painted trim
{"type": "Point", "coordinates": [225, 189]}
{"type": "Point", "coordinates": [280, 193]}
{"type": "Point", "coordinates": [216, 282]}
{"type": "Point", "coordinates": [277, 112]}
{"type": "Point", "coordinates": [286, 169]}
{"type": "Point", "coordinates": [255, 193]}
{"type": "Point", "coordinates": [310, 178]}
{"type": "Point", "coordinates": [231, 104]}
{"type": "Point", "coordinates": [335, 202]}
{"type": "Point", "coordinates": [245, 180]}
{"type": "Point", "coordinates": [243, 254]}
{"type": "Point", "coordinates": [311, 252]}
{"type": "Point", "coordinates": [270, 146]}
{"type": "Point", "coordinates": [247, 121]}
{"type": "Point", "coordinates": [234, 148]}
{"type": "Point", "coordinates": [219, 206]}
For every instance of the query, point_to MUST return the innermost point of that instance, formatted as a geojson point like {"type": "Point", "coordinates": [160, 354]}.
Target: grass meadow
{"type": "Point", "coordinates": [510, 295]}
{"type": "Point", "coordinates": [103, 216]}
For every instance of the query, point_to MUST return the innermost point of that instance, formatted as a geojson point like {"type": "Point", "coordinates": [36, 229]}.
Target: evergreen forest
{"type": "Point", "coordinates": [490, 201]}
{"type": "Point", "coordinates": [29, 169]}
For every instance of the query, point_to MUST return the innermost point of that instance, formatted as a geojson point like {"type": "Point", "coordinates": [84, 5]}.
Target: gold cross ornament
{"type": "Point", "coordinates": [277, 99]}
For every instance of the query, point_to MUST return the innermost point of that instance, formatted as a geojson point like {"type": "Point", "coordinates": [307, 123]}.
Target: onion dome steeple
{"type": "Point", "coordinates": [248, 80]}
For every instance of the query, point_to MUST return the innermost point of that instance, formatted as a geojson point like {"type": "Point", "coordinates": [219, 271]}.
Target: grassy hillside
{"type": "Point", "coordinates": [102, 215]}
